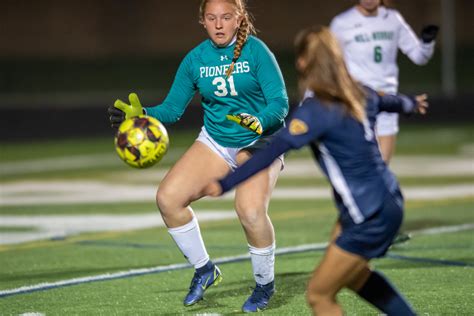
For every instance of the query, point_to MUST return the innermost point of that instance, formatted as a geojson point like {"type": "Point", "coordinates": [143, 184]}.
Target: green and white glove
{"type": "Point", "coordinates": [248, 121]}
{"type": "Point", "coordinates": [121, 111]}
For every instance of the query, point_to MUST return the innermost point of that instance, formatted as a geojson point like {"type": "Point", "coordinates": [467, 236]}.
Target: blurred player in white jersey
{"type": "Point", "coordinates": [370, 35]}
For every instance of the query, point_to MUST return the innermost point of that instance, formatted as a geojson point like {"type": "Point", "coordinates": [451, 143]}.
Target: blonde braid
{"type": "Point", "coordinates": [246, 28]}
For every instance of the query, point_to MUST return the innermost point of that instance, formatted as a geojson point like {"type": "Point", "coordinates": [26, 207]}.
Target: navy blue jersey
{"type": "Point", "coordinates": [377, 103]}
{"type": "Point", "coordinates": [347, 151]}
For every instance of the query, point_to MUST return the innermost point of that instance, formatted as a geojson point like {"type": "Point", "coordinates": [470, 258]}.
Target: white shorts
{"type": "Point", "coordinates": [229, 154]}
{"type": "Point", "coordinates": [386, 124]}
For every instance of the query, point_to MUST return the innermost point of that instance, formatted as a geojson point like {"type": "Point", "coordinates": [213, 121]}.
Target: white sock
{"type": "Point", "coordinates": [263, 263]}
{"type": "Point", "coordinates": [189, 240]}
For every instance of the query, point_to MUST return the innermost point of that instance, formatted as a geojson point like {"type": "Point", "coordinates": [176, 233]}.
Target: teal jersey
{"type": "Point", "coordinates": [256, 87]}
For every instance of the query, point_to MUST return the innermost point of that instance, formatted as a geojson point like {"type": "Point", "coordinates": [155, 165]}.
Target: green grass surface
{"type": "Point", "coordinates": [412, 140]}
{"type": "Point", "coordinates": [295, 223]}
{"type": "Point", "coordinates": [9, 229]}
{"type": "Point", "coordinates": [420, 272]}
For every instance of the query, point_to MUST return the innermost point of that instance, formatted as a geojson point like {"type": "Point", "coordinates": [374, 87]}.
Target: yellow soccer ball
{"type": "Point", "coordinates": [141, 141]}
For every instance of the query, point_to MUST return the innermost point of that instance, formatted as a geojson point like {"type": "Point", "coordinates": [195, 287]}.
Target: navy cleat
{"type": "Point", "coordinates": [258, 301]}
{"type": "Point", "coordinates": [401, 238]}
{"type": "Point", "coordinates": [201, 282]}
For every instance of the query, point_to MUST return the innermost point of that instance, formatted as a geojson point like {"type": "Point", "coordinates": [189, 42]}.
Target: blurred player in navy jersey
{"type": "Point", "coordinates": [336, 119]}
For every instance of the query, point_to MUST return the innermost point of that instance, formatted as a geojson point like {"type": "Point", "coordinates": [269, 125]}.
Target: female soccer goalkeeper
{"type": "Point", "coordinates": [336, 118]}
{"type": "Point", "coordinates": [240, 82]}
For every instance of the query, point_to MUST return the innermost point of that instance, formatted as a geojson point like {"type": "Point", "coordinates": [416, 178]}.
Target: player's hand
{"type": "Point", "coordinates": [121, 111]}
{"type": "Point", "coordinates": [116, 116]}
{"type": "Point", "coordinates": [213, 189]}
{"type": "Point", "coordinates": [429, 32]}
{"type": "Point", "coordinates": [248, 121]}
{"type": "Point", "coordinates": [421, 104]}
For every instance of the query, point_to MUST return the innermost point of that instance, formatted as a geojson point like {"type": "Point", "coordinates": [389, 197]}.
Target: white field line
{"type": "Point", "coordinates": [58, 164]}
{"type": "Point", "coordinates": [76, 162]}
{"type": "Point", "coordinates": [231, 259]}
{"type": "Point", "coordinates": [60, 226]}
{"type": "Point", "coordinates": [138, 272]}
{"type": "Point", "coordinates": [443, 229]}
{"type": "Point", "coordinates": [461, 165]}
{"type": "Point", "coordinates": [87, 192]}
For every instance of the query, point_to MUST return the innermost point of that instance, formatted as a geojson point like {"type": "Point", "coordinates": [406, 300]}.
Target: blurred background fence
{"type": "Point", "coordinates": [63, 62]}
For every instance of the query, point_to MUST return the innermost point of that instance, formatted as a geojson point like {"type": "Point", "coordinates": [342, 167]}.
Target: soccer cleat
{"type": "Point", "coordinates": [200, 283]}
{"type": "Point", "coordinates": [258, 301]}
{"type": "Point", "coordinates": [401, 238]}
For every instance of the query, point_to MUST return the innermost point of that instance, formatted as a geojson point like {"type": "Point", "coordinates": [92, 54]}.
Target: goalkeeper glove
{"type": "Point", "coordinates": [429, 32]}
{"type": "Point", "coordinates": [248, 121]}
{"type": "Point", "coordinates": [121, 111]}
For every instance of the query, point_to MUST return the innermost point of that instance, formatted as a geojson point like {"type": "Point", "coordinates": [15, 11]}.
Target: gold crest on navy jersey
{"type": "Point", "coordinates": [298, 127]}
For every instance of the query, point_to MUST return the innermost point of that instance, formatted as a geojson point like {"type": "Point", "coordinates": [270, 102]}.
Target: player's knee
{"type": "Point", "coordinates": [316, 297]}
{"type": "Point", "coordinates": [167, 199]}
{"type": "Point", "coordinates": [250, 216]}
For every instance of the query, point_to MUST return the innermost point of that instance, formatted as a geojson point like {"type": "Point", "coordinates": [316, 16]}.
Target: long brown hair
{"type": "Point", "coordinates": [246, 27]}
{"type": "Point", "coordinates": [323, 70]}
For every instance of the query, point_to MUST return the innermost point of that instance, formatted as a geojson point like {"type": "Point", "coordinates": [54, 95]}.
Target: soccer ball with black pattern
{"type": "Point", "coordinates": [141, 141]}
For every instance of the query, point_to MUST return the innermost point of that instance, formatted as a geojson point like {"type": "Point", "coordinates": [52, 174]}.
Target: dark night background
{"type": "Point", "coordinates": [63, 62]}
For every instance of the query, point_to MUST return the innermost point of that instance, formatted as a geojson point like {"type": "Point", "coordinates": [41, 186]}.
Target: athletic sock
{"type": "Point", "coordinates": [263, 263]}
{"type": "Point", "coordinates": [205, 268]}
{"type": "Point", "coordinates": [189, 240]}
{"type": "Point", "coordinates": [382, 294]}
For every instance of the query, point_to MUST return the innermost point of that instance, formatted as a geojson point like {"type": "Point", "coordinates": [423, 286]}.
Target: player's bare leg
{"type": "Point", "coordinates": [252, 198]}
{"type": "Point", "coordinates": [376, 289]}
{"type": "Point", "coordinates": [185, 181]}
{"type": "Point", "coordinates": [337, 269]}
{"type": "Point", "coordinates": [182, 185]}
{"type": "Point", "coordinates": [387, 145]}
{"type": "Point", "coordinates": [336, 231]}
{"type": "Point", "coordinates": [251, 202]}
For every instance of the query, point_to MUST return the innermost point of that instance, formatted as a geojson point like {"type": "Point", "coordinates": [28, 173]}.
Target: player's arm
{"type": "Point", "coordinates": [179, 96]}
{"type": "Point", "coordinates": [301, 130]}
{"type": "Point", "coordinates": [259, 161]}
{"type": "Point", "coordinates": [169, 111]}
{"type": "Point", "coordinates": [401, 103]}
{"type": "Point", "coordinates": [273, 87]}
{"type": "Point", "coordinates": [418, 50]}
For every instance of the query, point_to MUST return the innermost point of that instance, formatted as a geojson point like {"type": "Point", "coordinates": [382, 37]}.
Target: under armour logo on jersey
{"type": "Point", "coordinates": [224, 57]}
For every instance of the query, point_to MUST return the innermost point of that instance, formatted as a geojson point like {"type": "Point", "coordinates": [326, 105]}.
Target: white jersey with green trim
{"type": "Point", "coordinates": [371, 43]}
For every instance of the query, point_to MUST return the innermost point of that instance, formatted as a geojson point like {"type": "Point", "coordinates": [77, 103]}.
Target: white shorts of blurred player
{"type": "Point", "coordinates": [229, 154]}
{"type": "Point", "coordinates": [386, 124]}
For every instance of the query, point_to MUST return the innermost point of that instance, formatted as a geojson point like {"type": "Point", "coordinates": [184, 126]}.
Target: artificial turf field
{"type": "Point", "coordinates": [434, 270]}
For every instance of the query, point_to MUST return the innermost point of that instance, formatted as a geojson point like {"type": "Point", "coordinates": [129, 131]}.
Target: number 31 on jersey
{"type": "Point", "coordinates": [221, 85]}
